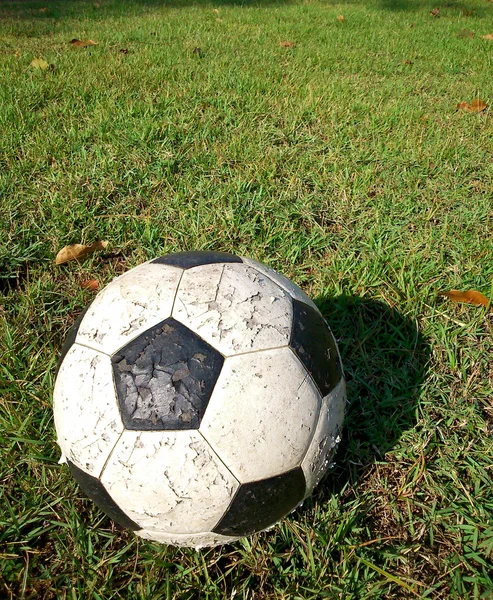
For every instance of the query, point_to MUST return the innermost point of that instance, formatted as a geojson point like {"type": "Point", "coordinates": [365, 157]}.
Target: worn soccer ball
{"type": "Point", "coordinates": [199, 398]}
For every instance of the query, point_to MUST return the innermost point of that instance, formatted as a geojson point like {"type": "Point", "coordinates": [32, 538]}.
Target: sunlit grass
{"type": "Point", "coordinates": [343, 163]}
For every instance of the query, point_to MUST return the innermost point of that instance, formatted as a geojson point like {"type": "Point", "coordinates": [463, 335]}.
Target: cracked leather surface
{"type": "Point", "coordinates": [165, 377]}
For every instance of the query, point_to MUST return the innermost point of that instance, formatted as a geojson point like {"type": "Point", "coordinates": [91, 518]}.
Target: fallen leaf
{"type": "Point", "coordinates": [408, 62]}
{"type": "Point", "coordinates": [17, 54]}
{"type": "Point", "coordinates": [468, 297]}
{"type": "Point", "coordinates": [215, 11]}
{"type": "Point", "coordinates": [488, 36]}
{"type": "Point", "coordinates": [340, 18]}
{"type": "Point", "coordinates": [43, 9]}
{"type": "Point", "coordinates": [83, 44]}
{"type": "Point", "coordinates": [39, 63]}
{"type": "Point", "coordinates": [435, 12]}
{"type": "Point", "coordinates": [466, 33]}
{"type": "Point", "coordinates": [197, 51]}
{"type": "Point", "coordinates": [123, 50]}
{"type": "Point", "coordinates": [91, 285]}
{"type": "Point", "coordinates": [287, 44]}
{"type": "Point", "coordinates": [476, 105]}
{"type": "Point", "coordinates": [78, 251]}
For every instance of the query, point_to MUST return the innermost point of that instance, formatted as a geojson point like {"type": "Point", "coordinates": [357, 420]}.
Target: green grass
{"type": "Point", "coordinates": [343, 163]}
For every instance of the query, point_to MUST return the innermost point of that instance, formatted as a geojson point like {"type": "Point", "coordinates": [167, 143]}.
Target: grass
{"type": "Point", "coordinates": [343, 163]}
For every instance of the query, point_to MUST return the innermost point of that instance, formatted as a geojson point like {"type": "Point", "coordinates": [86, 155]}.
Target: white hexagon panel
{"type": "Point", "coordinates": [86, 412]}
{"type": "Point", "coordinates": [261, 425]}
{"type": "Point", "coordinates": [326, 437]}
{"type": "Point", "coordinates": [234, 308]}
{"type": "Point", "coordinates": [169, 481]}
{"type": "Point", "coordinates": [129, 305]}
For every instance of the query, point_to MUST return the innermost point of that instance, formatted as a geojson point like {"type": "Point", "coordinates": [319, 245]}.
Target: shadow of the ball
{"type": "Point", "coordinates": [385, 359]}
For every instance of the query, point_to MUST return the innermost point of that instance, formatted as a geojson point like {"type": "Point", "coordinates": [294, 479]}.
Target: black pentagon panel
{"type": "Point", "coordinates": [315, 346]}
{"type": "Point", "coordinates": [165, 378]}
{"type": "Point", "coordinates": [96, 492]}
{"type": "Point", "coordinates": [187, 260]}
{"type": "Point", "coordinates": [259, 504]}
{"type": "Point", "coordinates": [70, 339]}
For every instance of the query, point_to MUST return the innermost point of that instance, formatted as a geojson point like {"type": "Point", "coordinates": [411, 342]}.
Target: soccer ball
{"type": "Point", "coordinates": [199, 398]}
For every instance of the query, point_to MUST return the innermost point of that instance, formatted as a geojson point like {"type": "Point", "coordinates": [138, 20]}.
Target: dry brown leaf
{"type": "Point", "coordinates": [78, 251]}
{"type": "Point", "coordinates": [39, 63]}
{"type": "Point", "coordinates": [83, 44]}
{"type": "Point", "coordinates": [43, 9]}
{"type": "Point", "coordinates": [17, 54]}
{"type": "Point", "coordinates": [468, 297]}
{"type": "Point", "coordinates": [340, 18]}
{"type": "Point", "coordinates": [476, 105]}
{"type": "Point", "coordinates": [435, 12]}
{"type": "Point", "coordinates": [215, 11]}
{"type": "Point", "coordinates": [287, 44]}
{"type": "Point", "coordinates": [488, 36]}
{"type": "Point", "coordinates": [91, 285]}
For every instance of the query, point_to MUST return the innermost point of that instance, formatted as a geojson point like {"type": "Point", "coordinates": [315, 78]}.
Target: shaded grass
{"type": "Point", "coordinates": [343, 163]}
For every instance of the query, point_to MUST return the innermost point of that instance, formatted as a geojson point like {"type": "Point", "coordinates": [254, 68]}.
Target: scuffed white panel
{"type": "Point", "coordinates": [326, 438]}
{"type": "Point", "coordinates": [262, 414]}
{"type": "Point", "coordinates": [85, 406]}
{"type": "Point", "coordinates": [187, 540]}
{"type": "Point", "coordinates": [169, 481]}
{"type": "Point", "coordinates": [234, 308]}
{"type": "Point", "coordinates": [285, 283]}
{"type": "Point", "coordinates": [128, 306]}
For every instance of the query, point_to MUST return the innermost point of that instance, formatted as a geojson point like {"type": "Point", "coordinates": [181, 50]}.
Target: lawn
{"type": "Point", "coordinates": [339, 159]}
